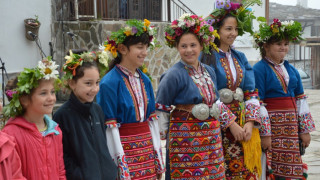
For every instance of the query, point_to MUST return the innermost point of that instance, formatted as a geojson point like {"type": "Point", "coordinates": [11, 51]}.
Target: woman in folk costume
{"type": "Point", "coordinates": [192, 128]}
{"type": "Point", "coordinates": [127, 100]}
{"type": "Point", "coordinates": [236, 86]}
{"type": "Point", "coordinates": [285, 117]}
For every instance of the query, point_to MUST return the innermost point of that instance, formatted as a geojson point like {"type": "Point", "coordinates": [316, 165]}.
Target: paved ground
{"type": "Point", "coordinates": [312, 156]}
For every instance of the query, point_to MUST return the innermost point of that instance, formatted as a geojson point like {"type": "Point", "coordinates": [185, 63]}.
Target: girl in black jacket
{"type": "Point", "coordinates": [81, 120]}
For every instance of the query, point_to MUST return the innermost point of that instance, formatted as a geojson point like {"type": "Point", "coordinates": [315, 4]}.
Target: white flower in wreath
{"type": "Point", "coordinates": [104, 57]}
{"type": "Point", "coordinates": [151, 31]}
{"type": "Point", "coordinates": [101, 47]}
{"type": "Point", "coordinates": [48, 69]}
{"type": "Point", "coordinates": [69, 58]}
{"type": "Point", "coordinates": [181, 19]}
{"type": "Point", "coordinates": [184, 16]}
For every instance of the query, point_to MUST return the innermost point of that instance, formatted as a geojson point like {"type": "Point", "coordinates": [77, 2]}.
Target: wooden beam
{"type": "Point", "coordinates": [267, 11]}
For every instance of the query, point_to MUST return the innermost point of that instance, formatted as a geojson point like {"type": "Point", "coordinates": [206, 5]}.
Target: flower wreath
{"type": "Point", "coordinates": [133, 28]}
{"type": "Point", "coordinates": [195, 24]}
{"type": "Point", "coordinates": [241, 12]}
{"type": "Point", "coordinates": [28, 79]}
{"type": "Point", "coordinates": [74, 60]}
{"type": "Point", "coordinates": [289, 30]}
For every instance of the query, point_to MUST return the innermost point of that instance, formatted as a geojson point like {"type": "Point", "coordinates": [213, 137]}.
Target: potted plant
{"type": "Point", "coordinates": [32, 24]}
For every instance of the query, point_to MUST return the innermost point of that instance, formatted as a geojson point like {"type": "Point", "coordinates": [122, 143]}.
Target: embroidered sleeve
{"type": "Point", "coordinates": [265, 129]}
{"type": "Point", "coordinates": [163, 123]}
{"type": "Point", "coordinates": [116, 150]}
{"type": "Point", "coordinates": [252, 107]}
{"type": "Point", "coordinates": [164, 108]}
{"type": "Point", "coordinates": [154, 129]}
{"type": "Point", "coordinates": [306, 123]}
{"type": "Point", "coordinates": [226, 117]}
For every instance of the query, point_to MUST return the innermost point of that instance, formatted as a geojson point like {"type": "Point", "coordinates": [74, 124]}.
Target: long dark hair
{"type": "Point", "coordinates": [209, 59]}
{"type": "Point", "coordinates": [129, 41]}
{"type": "Point", "coordinates": [80, 69]}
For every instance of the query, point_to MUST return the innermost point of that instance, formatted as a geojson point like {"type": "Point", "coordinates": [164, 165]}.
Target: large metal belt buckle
{"type": "Point", "coordinates": [214, 111]}
{"type": "Point", "coordinates": [200, 111]}
{"type": "Point", "coordinates": [238, 95]}
{"type": "Point", "coordinates": [226, 95]}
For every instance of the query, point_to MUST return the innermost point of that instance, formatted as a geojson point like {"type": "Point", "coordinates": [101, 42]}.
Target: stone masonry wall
{"type": "Point", "coordinates": [89, 34]}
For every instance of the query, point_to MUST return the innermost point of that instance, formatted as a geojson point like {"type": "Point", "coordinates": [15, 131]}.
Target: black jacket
{"type": "Point", "coordinates": [86, 155]}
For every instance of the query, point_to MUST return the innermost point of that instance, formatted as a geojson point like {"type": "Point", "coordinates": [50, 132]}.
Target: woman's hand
{"type": "Point", "coordinates": [237, 132]}
{"type": "Point", "coordinates": [306, 138]}
{"type": "Point", "coordinates": [159, 176]}
{"type": "Point", "coordinates": [266, 143]}
{"type": "Point", "coordinates": [248, 130]}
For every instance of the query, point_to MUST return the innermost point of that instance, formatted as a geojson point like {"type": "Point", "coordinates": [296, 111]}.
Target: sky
{"type": "Point", "coordinates": [315, 4]}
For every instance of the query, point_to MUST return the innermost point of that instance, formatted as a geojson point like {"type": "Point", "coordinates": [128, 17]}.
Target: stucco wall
{"type": "Point", "coordinates": [15, 50]}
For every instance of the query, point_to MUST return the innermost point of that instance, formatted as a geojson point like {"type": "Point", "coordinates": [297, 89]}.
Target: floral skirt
{"type": "Point", "coordinates": [195, 148]}
{"type": "Point", "coordinates": [136, 140]}
{"type": "Point", "coordinates": [233, 151]}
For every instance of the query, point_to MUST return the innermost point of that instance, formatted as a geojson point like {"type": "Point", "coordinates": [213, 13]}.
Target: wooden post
{"type": "Point", "coordinates": [76, 9]}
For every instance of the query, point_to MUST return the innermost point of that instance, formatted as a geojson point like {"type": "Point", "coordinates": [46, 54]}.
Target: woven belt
{"type": "Point", "coordinates": [201, 111]}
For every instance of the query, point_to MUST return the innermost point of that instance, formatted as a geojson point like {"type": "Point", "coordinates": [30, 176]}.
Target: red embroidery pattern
{"type": "Point", "coordinates": [280, 78]}
{"type": "Point", "coordinates": [227, 70]}
{"type": "Point", "coordinates": [134, 99]}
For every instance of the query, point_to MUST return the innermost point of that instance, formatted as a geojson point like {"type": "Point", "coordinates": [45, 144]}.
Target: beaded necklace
{"type": "Point", "coordinates": [207, 89]}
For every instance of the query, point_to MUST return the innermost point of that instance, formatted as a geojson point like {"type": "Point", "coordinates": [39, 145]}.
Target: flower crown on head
{"type": "Point", "coordinates": [288, 30]}
{"type": "Point", "coordinates": [241, 12]}
{"type": "Point", "coordinates": [75, 60]}
{"type": "Point", "coordinates": [28, 79]}
{"type": "Point", "coordinates": [194, 24]}
{"type": "Point", "coordinates": [133, 28]}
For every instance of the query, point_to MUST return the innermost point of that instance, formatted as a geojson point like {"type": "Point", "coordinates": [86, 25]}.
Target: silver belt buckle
{"type": "Point", "coordinates": [238, 95]}
{"type": "Point", "coordinates": [226, 95]}
{"type": "Point", "coordinates": [214, 111]}
{"type": "Point", "coordinates": [201, 111]}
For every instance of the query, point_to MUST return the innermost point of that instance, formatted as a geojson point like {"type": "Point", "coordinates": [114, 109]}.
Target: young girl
{"type": "Point", "coordinates": [85, 149]}
{"type": "Point", "coordinates": [235, 83]}
{"type": "Point", "coordinates": [126, 97]}
{"type": "Point", "coordinates": [286, 118]}
{"type": "Point", "coordinates": [194, 127]}
{"type": "Point", "coordinates": [38, 138]}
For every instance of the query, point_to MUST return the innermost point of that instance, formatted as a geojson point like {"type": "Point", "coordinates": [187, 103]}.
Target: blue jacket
{"type": "Point", "coordinates": [247, 79]}
{"type": "Point", "coordinates": [117, 100]}
{"type": "Point", "coordinates": [177, 87]}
